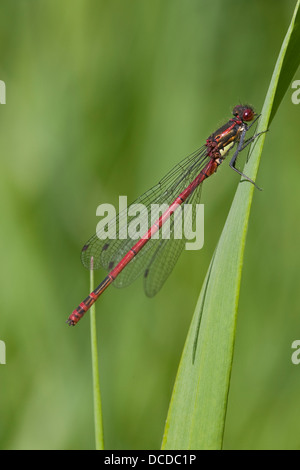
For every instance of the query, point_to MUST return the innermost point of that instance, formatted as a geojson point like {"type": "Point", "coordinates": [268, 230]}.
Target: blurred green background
{"type": "Point", "coordinates": [103, 98]}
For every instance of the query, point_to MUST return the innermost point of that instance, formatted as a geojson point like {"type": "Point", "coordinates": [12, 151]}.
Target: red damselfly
{"type": "Point", "coordinates": [125, 259]}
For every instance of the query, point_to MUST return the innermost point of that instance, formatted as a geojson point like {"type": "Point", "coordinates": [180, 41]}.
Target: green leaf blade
{"type": "Point", "coordinates": [197, 411]}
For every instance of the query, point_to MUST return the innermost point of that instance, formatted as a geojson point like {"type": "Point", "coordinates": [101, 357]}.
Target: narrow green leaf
{"type": "Point", "coordinates": [99, 439]}
{"type": "Point", "coordinates": [198, 405]}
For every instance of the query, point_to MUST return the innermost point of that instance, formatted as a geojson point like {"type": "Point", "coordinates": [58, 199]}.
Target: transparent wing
{"type": "Point", "coordinates": [108, 252]}
{"type": "Point", "coordinates": [168, 251]}
{"type": "Point", "coordinates": [161, 255]}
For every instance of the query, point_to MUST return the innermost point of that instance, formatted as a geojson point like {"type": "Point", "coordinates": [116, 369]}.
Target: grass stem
{"type": "Point", "coordinates": [99, 439]}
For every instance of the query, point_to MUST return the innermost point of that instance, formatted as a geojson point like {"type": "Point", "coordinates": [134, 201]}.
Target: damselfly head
{"type": "Point", "coordinates": [244, 111]}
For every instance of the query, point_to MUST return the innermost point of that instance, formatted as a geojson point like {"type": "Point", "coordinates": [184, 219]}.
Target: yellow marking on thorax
{"type": "Point", "coordinates": [225, 150]}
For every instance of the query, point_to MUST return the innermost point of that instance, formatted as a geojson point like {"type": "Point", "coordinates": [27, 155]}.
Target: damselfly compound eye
{"type": "Point", "coordinates": [244, 112]}
{"type": "Point", "coordinates": [248, 114]}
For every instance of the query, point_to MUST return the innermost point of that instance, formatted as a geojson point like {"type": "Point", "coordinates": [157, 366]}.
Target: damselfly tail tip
{"type": "Point", "coordinates": [73, 318]}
